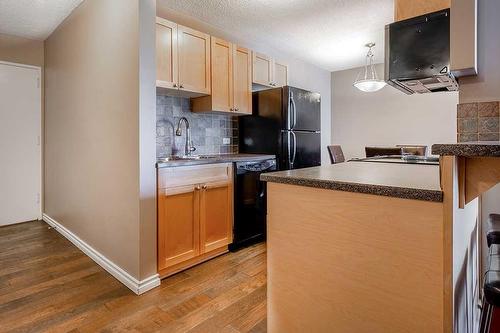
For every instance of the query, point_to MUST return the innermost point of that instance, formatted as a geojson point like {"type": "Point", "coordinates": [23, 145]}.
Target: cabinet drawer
{"type": "Point", "coordinates": [195, 174]}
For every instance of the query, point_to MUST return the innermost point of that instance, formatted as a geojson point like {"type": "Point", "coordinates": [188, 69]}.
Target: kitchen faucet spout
{"type": "Point", "coordinates": [189, 144]}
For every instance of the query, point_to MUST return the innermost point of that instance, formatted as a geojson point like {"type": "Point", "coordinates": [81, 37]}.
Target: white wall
{"type": "Point", "coordinates": [301, 74]}
{"type": "Point", "coordinates": [388, 117]}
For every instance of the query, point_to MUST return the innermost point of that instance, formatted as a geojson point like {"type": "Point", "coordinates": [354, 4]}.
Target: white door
{"type": "Point", "coordinates": [20, 143]}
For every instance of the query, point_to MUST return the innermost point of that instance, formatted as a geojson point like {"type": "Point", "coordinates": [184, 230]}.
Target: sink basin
{"type": "Point", "coordinates": [187, 158]}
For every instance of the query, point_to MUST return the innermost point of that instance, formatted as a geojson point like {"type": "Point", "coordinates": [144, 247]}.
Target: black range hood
{"type": "Point", "coordinates": [417, 54]}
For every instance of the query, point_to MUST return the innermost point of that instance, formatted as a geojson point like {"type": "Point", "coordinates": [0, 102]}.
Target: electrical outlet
{"type": "Point", "coordinates": [226, 141]}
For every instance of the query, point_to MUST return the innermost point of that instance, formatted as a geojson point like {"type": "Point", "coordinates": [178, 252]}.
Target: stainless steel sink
{"type": "Point", "coordinates": [187, 158]}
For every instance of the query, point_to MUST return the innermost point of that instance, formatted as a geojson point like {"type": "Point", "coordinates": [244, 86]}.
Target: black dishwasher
{"type": "Point", "coordinates": [250, 202]}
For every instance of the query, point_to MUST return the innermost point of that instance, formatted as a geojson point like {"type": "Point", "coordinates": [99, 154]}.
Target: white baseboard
{"type": "Point", "coordinates": [138, 287]}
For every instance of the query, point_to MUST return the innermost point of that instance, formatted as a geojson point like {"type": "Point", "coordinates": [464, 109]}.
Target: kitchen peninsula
{"type": "Point", "coordinates": [366, 246]}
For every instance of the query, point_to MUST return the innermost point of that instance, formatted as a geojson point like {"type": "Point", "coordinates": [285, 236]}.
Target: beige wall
{"type": "Point", "coordinates": [92, 183]}
{"type": "Point", "coordinates": [21, 50]}
{"type": "Point", "coordinates": [147, 137]}
{"type": "Point", "coordinates": [301, 74]}
{"type": "Point", "coordinates": [388, 117]}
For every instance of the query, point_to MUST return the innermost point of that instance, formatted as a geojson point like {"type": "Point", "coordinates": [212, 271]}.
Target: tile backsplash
{"type": "Point", "coordinates": [207, 129]}
{"type": "Point", "coordinates": [478, 121]}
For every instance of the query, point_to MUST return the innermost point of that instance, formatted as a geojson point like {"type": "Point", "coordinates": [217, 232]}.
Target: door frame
{"type": "Point", "coordinates": [39, 71]}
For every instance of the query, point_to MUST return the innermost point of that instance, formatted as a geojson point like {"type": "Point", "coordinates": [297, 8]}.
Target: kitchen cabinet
{"type": "Point", "coordinates": [405, 9]}
{"type": "Point", "coordinates": [166, 54]}
{"type": "Point", "coordinates": [268, 72]}
{"type": "Point", "coordinates": [280, 74]}
{"type": "Point", "coordinates": [195, 215]}
{"type": "Point", "coordinates": [182, 60]}
{"type": "Point", "coordinates": [242, 80]}
{"type": "Point", "coordinates": [215, 215]}
{"type": "Point", "coordinates": [262, 69]}
{"type": "Point", "coordinates": [231, 80]}
{"type": "Point", "coordinates": [463, 37]}
{"type": "Point", "coordinates": [178, 225]}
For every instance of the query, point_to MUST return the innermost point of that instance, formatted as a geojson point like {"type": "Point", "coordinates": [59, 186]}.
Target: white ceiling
{"type": "Point", "coordinates": [35, 19]}
{"type": "Point", "coordinates": [328, 33]}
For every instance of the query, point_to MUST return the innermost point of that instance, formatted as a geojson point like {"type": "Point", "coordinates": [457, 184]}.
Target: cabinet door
{"type": "Point", "coordinates": [262, 69]}
{"type": "Point", "coordinates": [242, 78]}
{"type": "Point", "coordinates": [216, 217]}
{"type": "Point", "coordinates": [405, 9]}
{"type": "Point", "coordinates": [166, 53]}
{"type": "Point", "coordinates": [194, 60]}
{"type": "Point", "coordinates": [178, 225]}
{"type": "Point", "coordinates": [280, 78]}
{"type": "Point", "coordinates": [222, 75]}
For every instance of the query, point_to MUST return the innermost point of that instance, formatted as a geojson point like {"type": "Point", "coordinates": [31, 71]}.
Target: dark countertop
{"type": "Point", "coordinates": [408, 181]}
{"type": "Point", "coordinates": [225, 158]}
{"type": "Point", "coordinates": [469, 149]}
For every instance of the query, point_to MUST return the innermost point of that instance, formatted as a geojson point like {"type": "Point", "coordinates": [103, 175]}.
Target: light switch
{"type": "Point", "coordinates": [226, 141]}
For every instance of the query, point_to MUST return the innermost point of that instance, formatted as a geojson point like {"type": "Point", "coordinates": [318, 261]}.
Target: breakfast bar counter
{"type": "Point", "coordinates": [365, 246]}
{"type": "Point", "coordinates": [358, 247]}
{"type": "Point", "coordinates": [409, 181]}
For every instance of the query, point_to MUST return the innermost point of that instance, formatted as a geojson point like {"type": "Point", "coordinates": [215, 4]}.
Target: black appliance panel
{"type": "Point", "coordinates": [250, 202]}
{"type": "Point", "coordinates": [419, 47]}
{"type": "Point", "coordinates": [300, 149]}
{"type": "Point", "coordinates": [301, 109]}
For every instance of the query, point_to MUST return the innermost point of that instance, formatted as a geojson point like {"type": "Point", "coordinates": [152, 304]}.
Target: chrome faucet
{"type": "Point", "coordinates": [189, 144]}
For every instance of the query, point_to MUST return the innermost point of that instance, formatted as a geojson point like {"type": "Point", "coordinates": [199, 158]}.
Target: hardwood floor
{"type": "Point", "coordinates": [48, 285]}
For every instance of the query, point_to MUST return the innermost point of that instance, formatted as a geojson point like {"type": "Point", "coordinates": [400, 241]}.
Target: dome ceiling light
{"type": "Point", "coordinates": [369, 82]}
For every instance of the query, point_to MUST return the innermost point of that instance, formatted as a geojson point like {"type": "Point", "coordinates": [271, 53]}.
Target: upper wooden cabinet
{"type": "Point", "coordinates": [231, 80]}
{"type": "Point", "coordinates": [217, 74]}
{"type": "Point", "coordinates": [268, 72]}
{"type": "Point", "coordinates": [405, 9]}
{"type": "Point", "coordinates": [262, 69]}
{"type": "Point", "coordinates": [195, 215]}
{"type": "Point", "coordinates": [242, 80]}
{"type": "Point", "coordinates": [166, 54]}
{"type": "Point", "coordinates": [182, 59]}
{"type": "Point", "coordinates": [280, 74]}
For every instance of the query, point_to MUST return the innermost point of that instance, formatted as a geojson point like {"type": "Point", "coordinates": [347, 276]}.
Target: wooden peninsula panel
{"type": "Point", "coordinates": [352, 262]}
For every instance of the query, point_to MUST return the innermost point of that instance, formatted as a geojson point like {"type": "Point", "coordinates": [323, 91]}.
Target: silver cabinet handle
{"type": "Point", "coordinates": [236, 109]}
{"type": "Point", "coordinates": [231, 109]}
{"type": "Point", "coordinates": [197, 188]}
{"type": "Point", "coordinates": [205, 187]}
{"type": "Point", "coordinates": [181, 86]}
{"type": "Point", "coordinates": [175, 85]}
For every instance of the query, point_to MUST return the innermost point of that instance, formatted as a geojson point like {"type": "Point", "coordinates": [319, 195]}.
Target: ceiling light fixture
{"type": "Point", "coordinates": [369, 82]}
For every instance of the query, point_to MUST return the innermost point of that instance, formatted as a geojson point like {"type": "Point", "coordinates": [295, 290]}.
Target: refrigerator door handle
{"type": "Point", "coordinates": [289, 149]}
{"type": "Point", "coordinates": [294, 149]}
{"type": "Point", "coordinates": [294, 111]}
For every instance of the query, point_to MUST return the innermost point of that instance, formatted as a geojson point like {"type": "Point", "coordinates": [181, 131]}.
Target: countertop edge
{"type": "Point", "coordinates": [468, 149]}
{"type": "Point", "coordinates": [381, 190]}
{"type": "Point", "coordinates": [219, 159]}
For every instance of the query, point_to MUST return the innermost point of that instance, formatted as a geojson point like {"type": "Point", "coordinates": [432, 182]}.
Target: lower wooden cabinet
{"type": "Point", "coordinates": [215, 216]}
{"type": "Point", "coordinates": [195, 215]}
{"type": "Point", "coordinates": [178, 225]}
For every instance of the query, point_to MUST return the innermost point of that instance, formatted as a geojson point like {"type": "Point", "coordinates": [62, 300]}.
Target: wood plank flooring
{"type": "Point", "coordinates": [48, 285]}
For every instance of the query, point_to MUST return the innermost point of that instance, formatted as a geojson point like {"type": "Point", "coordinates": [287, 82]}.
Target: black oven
{"type": "Point", "coordinates": [250, 202]}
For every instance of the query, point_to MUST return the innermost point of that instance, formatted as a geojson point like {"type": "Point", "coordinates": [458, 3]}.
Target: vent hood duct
{"type": "Point", "coordinates": [417, 54]}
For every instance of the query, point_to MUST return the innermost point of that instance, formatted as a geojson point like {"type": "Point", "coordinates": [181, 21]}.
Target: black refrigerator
{"type": "Point", "coordinates": [285, 122]}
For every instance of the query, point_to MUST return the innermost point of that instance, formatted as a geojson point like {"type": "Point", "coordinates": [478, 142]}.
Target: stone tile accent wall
{"type": "Point", "coordinates": [207, 130]}
{"type": "Point", "coordinates": [478, 121]}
